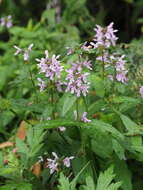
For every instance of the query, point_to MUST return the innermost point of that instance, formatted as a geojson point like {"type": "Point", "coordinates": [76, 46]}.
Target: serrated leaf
{"type": "Point", "coordinates": [104, 181]}
{"type": "Point", "coordinates": [119, 150]}
{"type": "Point", "coordinates": [123, 174]}
{"type": "Point", "coordinates": [64, 183]}
{"type": "Point", "coordinates": [21, 146]}
{"type": "Point", "coordinates": [131, 126]}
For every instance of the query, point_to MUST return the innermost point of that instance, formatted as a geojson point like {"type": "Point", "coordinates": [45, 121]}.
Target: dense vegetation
{"type": "Point", "coordinates": [71, 95]}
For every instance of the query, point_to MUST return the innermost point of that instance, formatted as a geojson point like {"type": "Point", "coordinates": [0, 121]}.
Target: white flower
{"type": "Point", "coordinates": [53, 164]}
{"type": "Point", "coordinates": [84, 118]}
{"type": "Point", "coordinates": [61, 128]}
{"type": "Point", "coordinates": [18, 50]}
{"type": "Point", "coordinates": [26, 52]}
{"type": "Point", "coordinates": [67, 160]}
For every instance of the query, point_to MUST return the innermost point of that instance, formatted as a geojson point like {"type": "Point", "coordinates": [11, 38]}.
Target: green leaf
{"type": "Point", "coordinates": [8, 187]}
{"type": "Point", "coordinates": [131, 126]}
{"type": "Point", "coordinates": [34, 139]}
{"type": "Point", "coordinates": [89, 183]}
{"type": "Point", "coordinates": [73, 183]}
{"type": "Point", "coordinates": [21, 146]}
{"type": "Point", "coordinates": [13, 186]}
{"type": "Point", "coordinates": [24, 186]}
{"type": "Point", "coordinates": [69, 101]}
{"type": "Point", "coordinates": [64, 183]}
{"type": "Point", "coordinates": [104, 181]}
{"type": "Point", "coordinates": [50, 16]}
{"type": "Point", "coordinates": [98, 84]}
{"type": "Point", "coordinates": [119, 150]}
{"type": "Point", "coordinates": [102, 126]}
{"type": "Point", "coordinates": [98, 144]}
{"type": "Point", "coordinates": [123, 174]}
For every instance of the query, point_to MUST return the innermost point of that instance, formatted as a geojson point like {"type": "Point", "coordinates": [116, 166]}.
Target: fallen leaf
{"type": "Point", "coordinates": [36, 169]}
{"type": "Point", "coordinates": [22, 130]}
{"type": "Point", "coordinates": [6, 144]}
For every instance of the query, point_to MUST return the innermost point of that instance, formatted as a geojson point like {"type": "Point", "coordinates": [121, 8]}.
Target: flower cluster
{"type": "Point", "coordinates": [77, 79]}
{"type": "Point", "coordinates": [104, 37]}
{"type": "Point", "coordinates": [25, 52]}
{"type": "Point", "coordinates": [118, 62]}
{"type": "Point", "coordinates": [6, 21]}
{"type": "Point", "coordinates": [51, 68]}
{"type": "Point", "coordinates": [121, 72]}
{"type": "Point", "coordinates": [53, 164]}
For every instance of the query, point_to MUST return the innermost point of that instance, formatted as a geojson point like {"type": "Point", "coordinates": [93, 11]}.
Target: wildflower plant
{"type": "Point", "coordinates": [87, 114]}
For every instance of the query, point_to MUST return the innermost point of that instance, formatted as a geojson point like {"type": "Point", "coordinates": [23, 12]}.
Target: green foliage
{"type": "Point", "coordinates": [38, 129]}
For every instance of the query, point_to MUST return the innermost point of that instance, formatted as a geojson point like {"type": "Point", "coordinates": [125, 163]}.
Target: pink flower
{"type": "Point", "coordinates": [53, 164]}
{"type": "Point", "coordinates": [14, 150]}
{"type": "Point", "coordinates": [51, 68]}
{"type": "Point", "coordinates": [77, 79]}
{"type": "Point", "coordinates": [141, 91]}
{"type": "Point", "coordinates": [110, 77]}
{"type": "Point", "coordinates": [84, 118]}
{"type": "Point", "coordinates": [26, 52]}
{"type": "Point", "coordinates": [69, 51]}
{"type": "Point", "coordinates": [18, 50]}
{"type": "Point", "coordinates": [67, 160]}
{"type": "Point", "coordinates": [105, 58]}
{"type": "Point", "coordinates": [104, 36]}
{"type": "Point", "coordinates": [120, 63]}
{"type": "Point", "coordinates": [41, 84]}
{"type": "Point", "coordinates": [121, 76]}
{"type": "Point", "coordinates": [6, 21]}
{"type": "Point", "coordinates": [9, 22]}
{"type": "Point", "coordinates": [61, 128]}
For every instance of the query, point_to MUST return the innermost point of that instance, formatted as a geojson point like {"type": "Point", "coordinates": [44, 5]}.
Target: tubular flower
{"type": "Point", "coordinates": [53, 164]}
{"type": "Point", "coordinates": [77, 79]}
{"type": "Point", "coordinates": [84, 118]}
{"type": "Point", "coordinates": [41, 84]}
{"type": "Point", "coordinates": [67, 160]}
{"type": "Point", "coordinates": [6, 21]}
{"type": "Point", "coordinates": [25, 52]}
{"type": "Point", "coordinates": [104, 37]}
{"type": "Point", "coordinates": [50, 66]}
{"type": "Point", "coordinates": [121, 72]}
